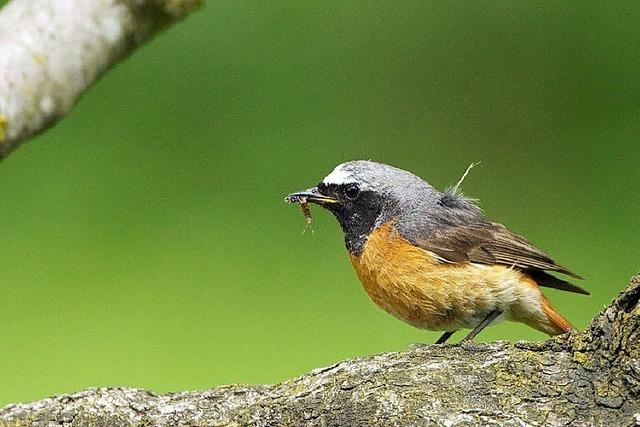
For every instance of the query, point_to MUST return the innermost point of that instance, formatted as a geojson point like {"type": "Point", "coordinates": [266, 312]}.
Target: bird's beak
{"type": "Point", "coordinates": [311, 195]}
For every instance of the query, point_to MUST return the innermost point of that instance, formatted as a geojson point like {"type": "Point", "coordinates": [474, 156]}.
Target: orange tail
{"type": "Point", "coordinates": [557, 324]}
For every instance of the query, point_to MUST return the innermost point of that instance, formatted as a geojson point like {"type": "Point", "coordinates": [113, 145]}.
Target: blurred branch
{"type": "Point", "coordinates": [588, 378]}
{"type": "Point", "coordinates": [52, 51]}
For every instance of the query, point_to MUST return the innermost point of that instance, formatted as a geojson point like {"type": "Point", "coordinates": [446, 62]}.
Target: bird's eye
{"type": "Point", "coordinates": [352, 191]}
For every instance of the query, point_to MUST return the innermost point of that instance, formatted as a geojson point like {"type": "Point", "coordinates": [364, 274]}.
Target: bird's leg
{"type": "Point", "coordinates": [444, 337]}
{"type": "Point", "coordinates": [490, 318]}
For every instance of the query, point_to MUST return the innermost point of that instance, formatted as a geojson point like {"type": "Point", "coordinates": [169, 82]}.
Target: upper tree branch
{"type": "Point", "coordinates": [579, 379]}
{"type": "Point", "coordinates": [51, 51]}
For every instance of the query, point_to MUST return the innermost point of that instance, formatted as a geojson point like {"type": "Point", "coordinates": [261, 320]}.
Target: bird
{"type": "Point", "coordinates": [432, 258]}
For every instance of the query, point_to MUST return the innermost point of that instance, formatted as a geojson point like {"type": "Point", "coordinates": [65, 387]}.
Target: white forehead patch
{"type": "Point", "coordinates": [338, 176]}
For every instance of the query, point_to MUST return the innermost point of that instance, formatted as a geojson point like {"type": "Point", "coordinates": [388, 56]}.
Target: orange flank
{"type": "Point", "coordinates": [422, 289]}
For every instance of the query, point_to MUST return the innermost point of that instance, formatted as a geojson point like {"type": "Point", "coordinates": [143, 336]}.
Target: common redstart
{"type": "Point", "coordinates": [433, 259]}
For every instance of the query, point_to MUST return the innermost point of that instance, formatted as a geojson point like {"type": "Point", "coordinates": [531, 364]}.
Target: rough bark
{"type": "Point", "coordinates": [52, 51]}
{"type": "Point", "coordinates": [587, 378]}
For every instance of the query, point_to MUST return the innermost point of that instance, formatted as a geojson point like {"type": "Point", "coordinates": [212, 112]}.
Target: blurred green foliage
{"type": "Point", "coordinates": [145, 239]}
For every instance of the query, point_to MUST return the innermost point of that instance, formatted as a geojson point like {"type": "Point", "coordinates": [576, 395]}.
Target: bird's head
{"type": "Point", "coordinates": [364, 194]}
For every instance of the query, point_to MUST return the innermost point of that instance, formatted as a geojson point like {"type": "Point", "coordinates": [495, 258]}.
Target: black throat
{"type": "Point", "coordinates": [357, 219]}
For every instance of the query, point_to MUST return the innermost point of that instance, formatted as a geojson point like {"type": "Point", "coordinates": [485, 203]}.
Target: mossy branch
{"type": "Point", "coordinates": [587, 378]}
{"type": "Point", "coordinates": [52, 51]}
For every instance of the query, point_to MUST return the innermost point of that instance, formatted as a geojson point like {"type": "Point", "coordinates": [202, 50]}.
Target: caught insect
{"type": "Point", "coordinates": [304, 207]}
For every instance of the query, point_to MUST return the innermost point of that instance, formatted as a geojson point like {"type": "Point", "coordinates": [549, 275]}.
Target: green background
{"type": "Point", "coordinates": [145, 241]}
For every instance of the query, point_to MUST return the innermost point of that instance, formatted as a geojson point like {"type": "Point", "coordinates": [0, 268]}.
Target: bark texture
{"type": "Point", "coordinates": [51, 51]}
{"type": "Point", "coordinates": [578, 379]}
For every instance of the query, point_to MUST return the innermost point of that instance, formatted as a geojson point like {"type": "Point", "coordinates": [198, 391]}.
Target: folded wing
{"type": "Point", "coordinates": [492, 243]}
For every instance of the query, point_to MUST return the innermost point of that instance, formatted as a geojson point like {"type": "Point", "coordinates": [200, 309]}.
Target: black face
{"type": "Point", "coordinates": [356, 210]}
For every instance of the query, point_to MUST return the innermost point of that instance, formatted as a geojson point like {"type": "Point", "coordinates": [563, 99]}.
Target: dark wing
{"type": "Point", "coordinates": [492, 243]}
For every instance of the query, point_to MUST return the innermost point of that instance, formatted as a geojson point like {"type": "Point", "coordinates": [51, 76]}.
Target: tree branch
{"type": "Point", "coordinates": [52, 51]}
{"type": "Point", "coordinates": [588, 378]}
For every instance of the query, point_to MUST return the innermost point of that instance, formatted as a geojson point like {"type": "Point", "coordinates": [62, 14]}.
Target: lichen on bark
{"type": "Point", "coordinates": [578, 379]}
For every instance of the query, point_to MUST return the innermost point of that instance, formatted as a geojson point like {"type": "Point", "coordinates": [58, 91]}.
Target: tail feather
{"type": "Point", "coordinates": [557, 324]}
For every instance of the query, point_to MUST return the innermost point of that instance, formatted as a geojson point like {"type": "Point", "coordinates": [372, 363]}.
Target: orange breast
{"type": "Point", "coordinates": [413, 285]}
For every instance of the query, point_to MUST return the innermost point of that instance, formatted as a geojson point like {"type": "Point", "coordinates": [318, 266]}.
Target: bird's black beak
{"type": "Point", "coordinates": [312, 195]}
